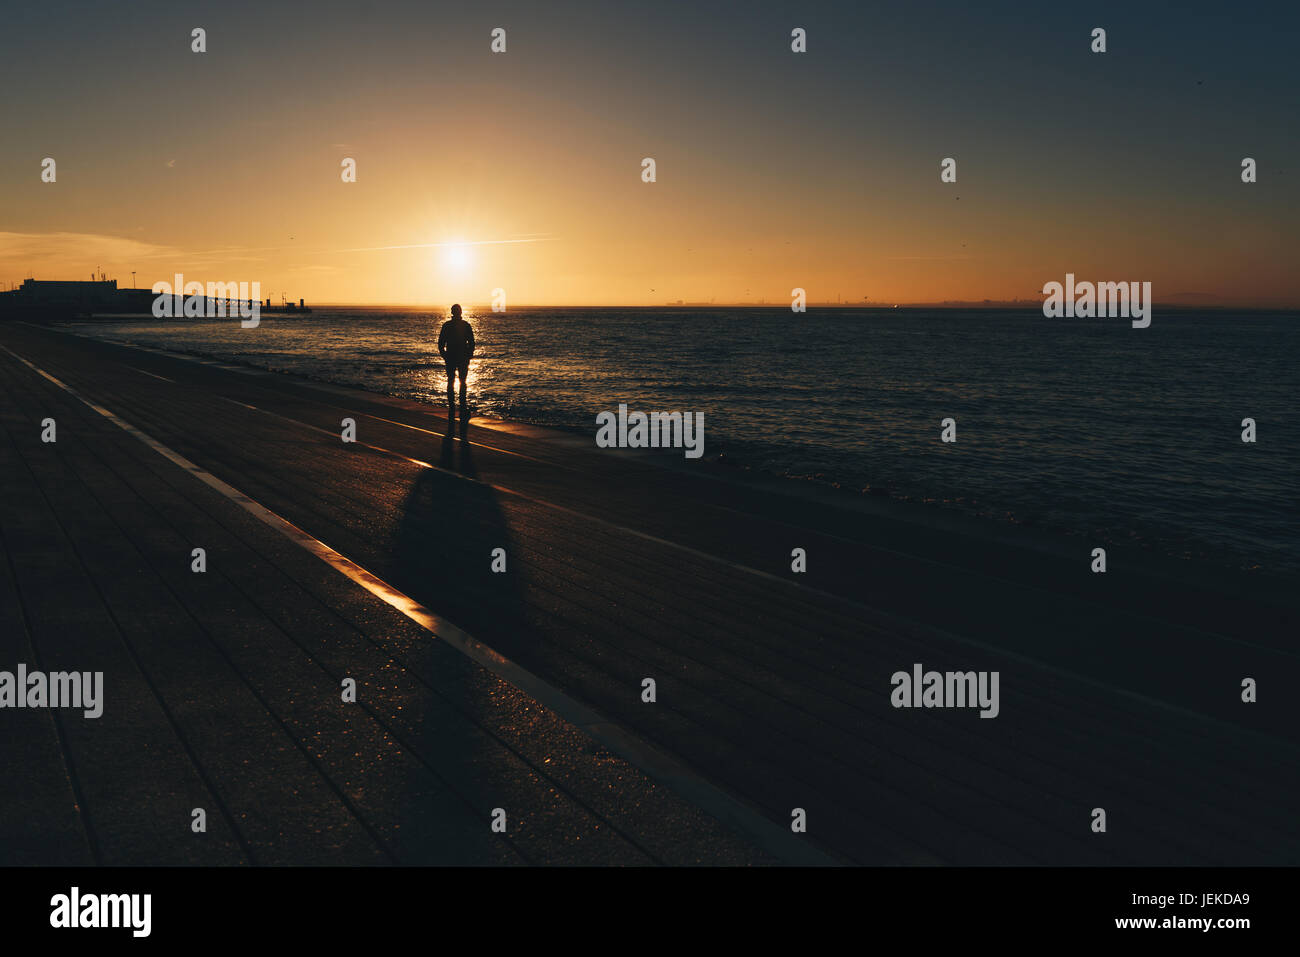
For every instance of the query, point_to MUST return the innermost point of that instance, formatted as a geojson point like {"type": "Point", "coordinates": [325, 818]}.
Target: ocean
{"type": "Point", "coordinates": [1085, 426]}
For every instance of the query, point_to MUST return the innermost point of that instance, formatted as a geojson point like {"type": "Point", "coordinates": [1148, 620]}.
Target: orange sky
{"type": "Point", "coordinates": [773, 171]}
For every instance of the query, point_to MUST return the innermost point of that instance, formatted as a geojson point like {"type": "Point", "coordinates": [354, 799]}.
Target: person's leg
{"type": "Point", "coordinates": [464, 373]}
{"type": "Point", "coordinates": [451, 391]}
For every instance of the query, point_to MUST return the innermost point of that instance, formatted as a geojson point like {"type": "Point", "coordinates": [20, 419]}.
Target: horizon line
{"type": "Point", "coordinates": [919, 304]}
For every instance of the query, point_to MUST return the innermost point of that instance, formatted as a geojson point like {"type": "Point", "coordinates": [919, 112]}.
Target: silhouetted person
{"type": "Point", "coordinates": [456, 346]}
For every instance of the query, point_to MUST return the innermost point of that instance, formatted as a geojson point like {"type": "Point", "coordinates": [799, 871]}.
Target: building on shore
{"type": "Point", "coordinates": [44, 299]}
{"type": "Point", "coordinates": [76, 298]}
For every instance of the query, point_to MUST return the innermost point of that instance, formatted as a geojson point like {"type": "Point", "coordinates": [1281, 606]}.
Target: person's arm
{"type": "Point", "coordinates": [442, 341]}
{"type": "Point", "coordinates": [469, 341]}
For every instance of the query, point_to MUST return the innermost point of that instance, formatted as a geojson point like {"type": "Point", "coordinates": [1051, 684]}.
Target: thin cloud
{"type": "Point", "coordinates": [77, 247]}
{"type": "Point", "coordinates": [69, 253]}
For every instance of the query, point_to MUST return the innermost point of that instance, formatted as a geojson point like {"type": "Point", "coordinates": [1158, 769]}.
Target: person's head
{"type": "Point", "coordinates": [455, 311]}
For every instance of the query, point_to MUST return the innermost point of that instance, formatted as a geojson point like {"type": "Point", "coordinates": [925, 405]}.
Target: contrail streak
{"type": "Point", "coordinates": [468, 242]}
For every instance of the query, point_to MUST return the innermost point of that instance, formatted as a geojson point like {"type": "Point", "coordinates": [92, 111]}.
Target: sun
{"type": "Point", "coordinates": [457, 257]}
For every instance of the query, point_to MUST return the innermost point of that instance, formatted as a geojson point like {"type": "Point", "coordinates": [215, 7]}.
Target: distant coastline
{"type": "Point", "coordinates": [39, 299]}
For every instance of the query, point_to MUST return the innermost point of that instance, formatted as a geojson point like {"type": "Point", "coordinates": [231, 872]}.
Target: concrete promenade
{"type": "Point", "coordinates": [522, 690]}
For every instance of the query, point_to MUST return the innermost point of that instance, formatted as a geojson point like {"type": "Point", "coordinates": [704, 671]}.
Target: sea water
{"type": "Point", "coordinates": [1086, 426]}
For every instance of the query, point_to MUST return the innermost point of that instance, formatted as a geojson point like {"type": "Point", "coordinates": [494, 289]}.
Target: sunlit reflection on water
{"type": "Point", "coordinates": [1084, 426]}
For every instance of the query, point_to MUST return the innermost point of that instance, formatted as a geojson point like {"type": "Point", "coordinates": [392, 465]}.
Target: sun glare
{"type": "Point", "coordinates": [457, 257]}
